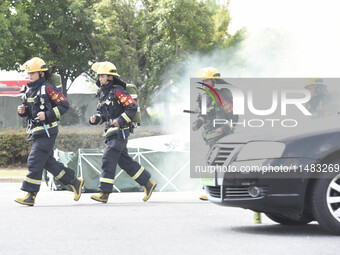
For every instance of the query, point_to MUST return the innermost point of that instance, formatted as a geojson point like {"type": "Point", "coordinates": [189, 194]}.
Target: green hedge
{"type": "Point", "coordinates": [14, 149]}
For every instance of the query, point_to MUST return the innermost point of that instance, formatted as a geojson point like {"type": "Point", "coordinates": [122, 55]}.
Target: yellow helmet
{"type": "Point", "coordinates": [208, 73]}
{"type": "Point", "coordinates": [34, 65]}
{"type": "Point", "coordinates": [105, 68]}
{"type": "Point", "coordinates": [315, 81]}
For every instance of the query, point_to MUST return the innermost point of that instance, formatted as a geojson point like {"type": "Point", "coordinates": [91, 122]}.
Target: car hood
{"type": "Point", "coordinates": [312, 127]}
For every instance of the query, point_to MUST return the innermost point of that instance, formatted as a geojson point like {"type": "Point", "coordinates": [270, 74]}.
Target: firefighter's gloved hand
{"type": "Point", "coordinates": [197, 124]}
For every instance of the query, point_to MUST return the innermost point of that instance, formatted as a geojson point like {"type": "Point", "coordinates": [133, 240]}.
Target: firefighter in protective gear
{"type": "Point", "coordinates": [211, 76]}
{"type": "Point", "coordinates": [321, 103]}
{"type": "Point", "coordinates": [43, 106]}
{"type": "Point", "coordinates": [116, 108]}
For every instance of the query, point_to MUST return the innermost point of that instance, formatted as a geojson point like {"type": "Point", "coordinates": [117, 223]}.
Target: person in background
{"type": "Point", "coordinates": [321, 103]}
{"type": "Point", "coordinates": [210, 76]}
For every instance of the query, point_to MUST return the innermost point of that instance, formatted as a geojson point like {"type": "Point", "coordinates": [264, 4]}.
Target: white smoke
{"type": "Point", "coordinates": [308, 36]}
{"type": "Point", "coordinates": [284, 39]}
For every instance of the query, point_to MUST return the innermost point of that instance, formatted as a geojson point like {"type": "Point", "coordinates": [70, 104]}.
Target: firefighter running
{"type": "Point", "coordinates": [211, 76]}
{"type": "Point", "coordinates": [117, 109]}
{"type": "Point", "coordinates": [43, 106]}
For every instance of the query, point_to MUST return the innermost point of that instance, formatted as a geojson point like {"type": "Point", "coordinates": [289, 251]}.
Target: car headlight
{"type": "Point", "coordinates": [261, 150]}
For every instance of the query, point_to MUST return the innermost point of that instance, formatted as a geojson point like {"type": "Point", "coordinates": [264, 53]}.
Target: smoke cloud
{"type": "Point", "coordinates": [284, 39]}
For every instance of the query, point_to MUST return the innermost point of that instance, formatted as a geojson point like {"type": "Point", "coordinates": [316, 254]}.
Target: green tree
{"type": "Point", "coordinates": [57, 31]}
{"type": "Point", "coordinates": [148, 40]}
{"type": "Point", "coordinates": [151, 40]}
{"type": "Point", "coordinates": [14, 34]}
{"type": "Point", "coordinates": [175, 29]}
{"type": "Point", "coordinates": [119, 33]}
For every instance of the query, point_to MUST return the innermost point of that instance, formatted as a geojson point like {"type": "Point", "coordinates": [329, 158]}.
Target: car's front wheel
{"type": "Point", "coordinates": [286, 221]}
{"type": "Point", "coordinates": [326, 203]}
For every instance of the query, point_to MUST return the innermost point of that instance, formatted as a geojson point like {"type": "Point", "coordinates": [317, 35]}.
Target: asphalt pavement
{"type": "Point", "coordinates": [169, 223]}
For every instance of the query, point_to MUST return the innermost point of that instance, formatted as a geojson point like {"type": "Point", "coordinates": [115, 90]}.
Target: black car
{"type": "Point", "coordinates": [293, 176]}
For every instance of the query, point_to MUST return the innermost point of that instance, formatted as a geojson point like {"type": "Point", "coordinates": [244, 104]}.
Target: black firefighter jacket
{"type": "Point", "coordinates": [42, 96]}
{"type": "Point", "coordinates": [115, 103]}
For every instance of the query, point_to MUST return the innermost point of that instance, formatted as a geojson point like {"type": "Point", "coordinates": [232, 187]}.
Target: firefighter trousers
{"type": "Point", "coordinates": [116, 153]}
{"type": "Point", "coordinates": [40, 157]}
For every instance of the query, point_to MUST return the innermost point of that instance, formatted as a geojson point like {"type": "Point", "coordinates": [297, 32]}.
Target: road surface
{"type": "Point", "coordinates": [170, 223]}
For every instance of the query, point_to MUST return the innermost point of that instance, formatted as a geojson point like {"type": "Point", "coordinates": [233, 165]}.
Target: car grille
{"type": "Point", "coordinates": [214, 191]}
{"type": "Point", "coordinates": [223, 152]}
{"type": "Point", "coordinates": [239, 192]}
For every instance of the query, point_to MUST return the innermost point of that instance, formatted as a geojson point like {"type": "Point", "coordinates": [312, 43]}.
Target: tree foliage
{"type": "Point", "coordinates": [145, 39]}
{"type": "Point", "coordinates": [149, 39]}
{"type": "Point", "coordinates": [14, 44]}
{"type": "Point", "coordinates": [52, 30]}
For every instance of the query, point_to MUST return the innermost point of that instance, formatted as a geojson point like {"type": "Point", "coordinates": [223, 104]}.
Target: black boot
{"type": "Point", "coordinates": [101, 197]}
{"type": "Point", "coordinates": [29, 199]}
{"type": "Point", "coordinates": [76, 186]}
{"type": "Point", "coordinates": [148, 188]}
